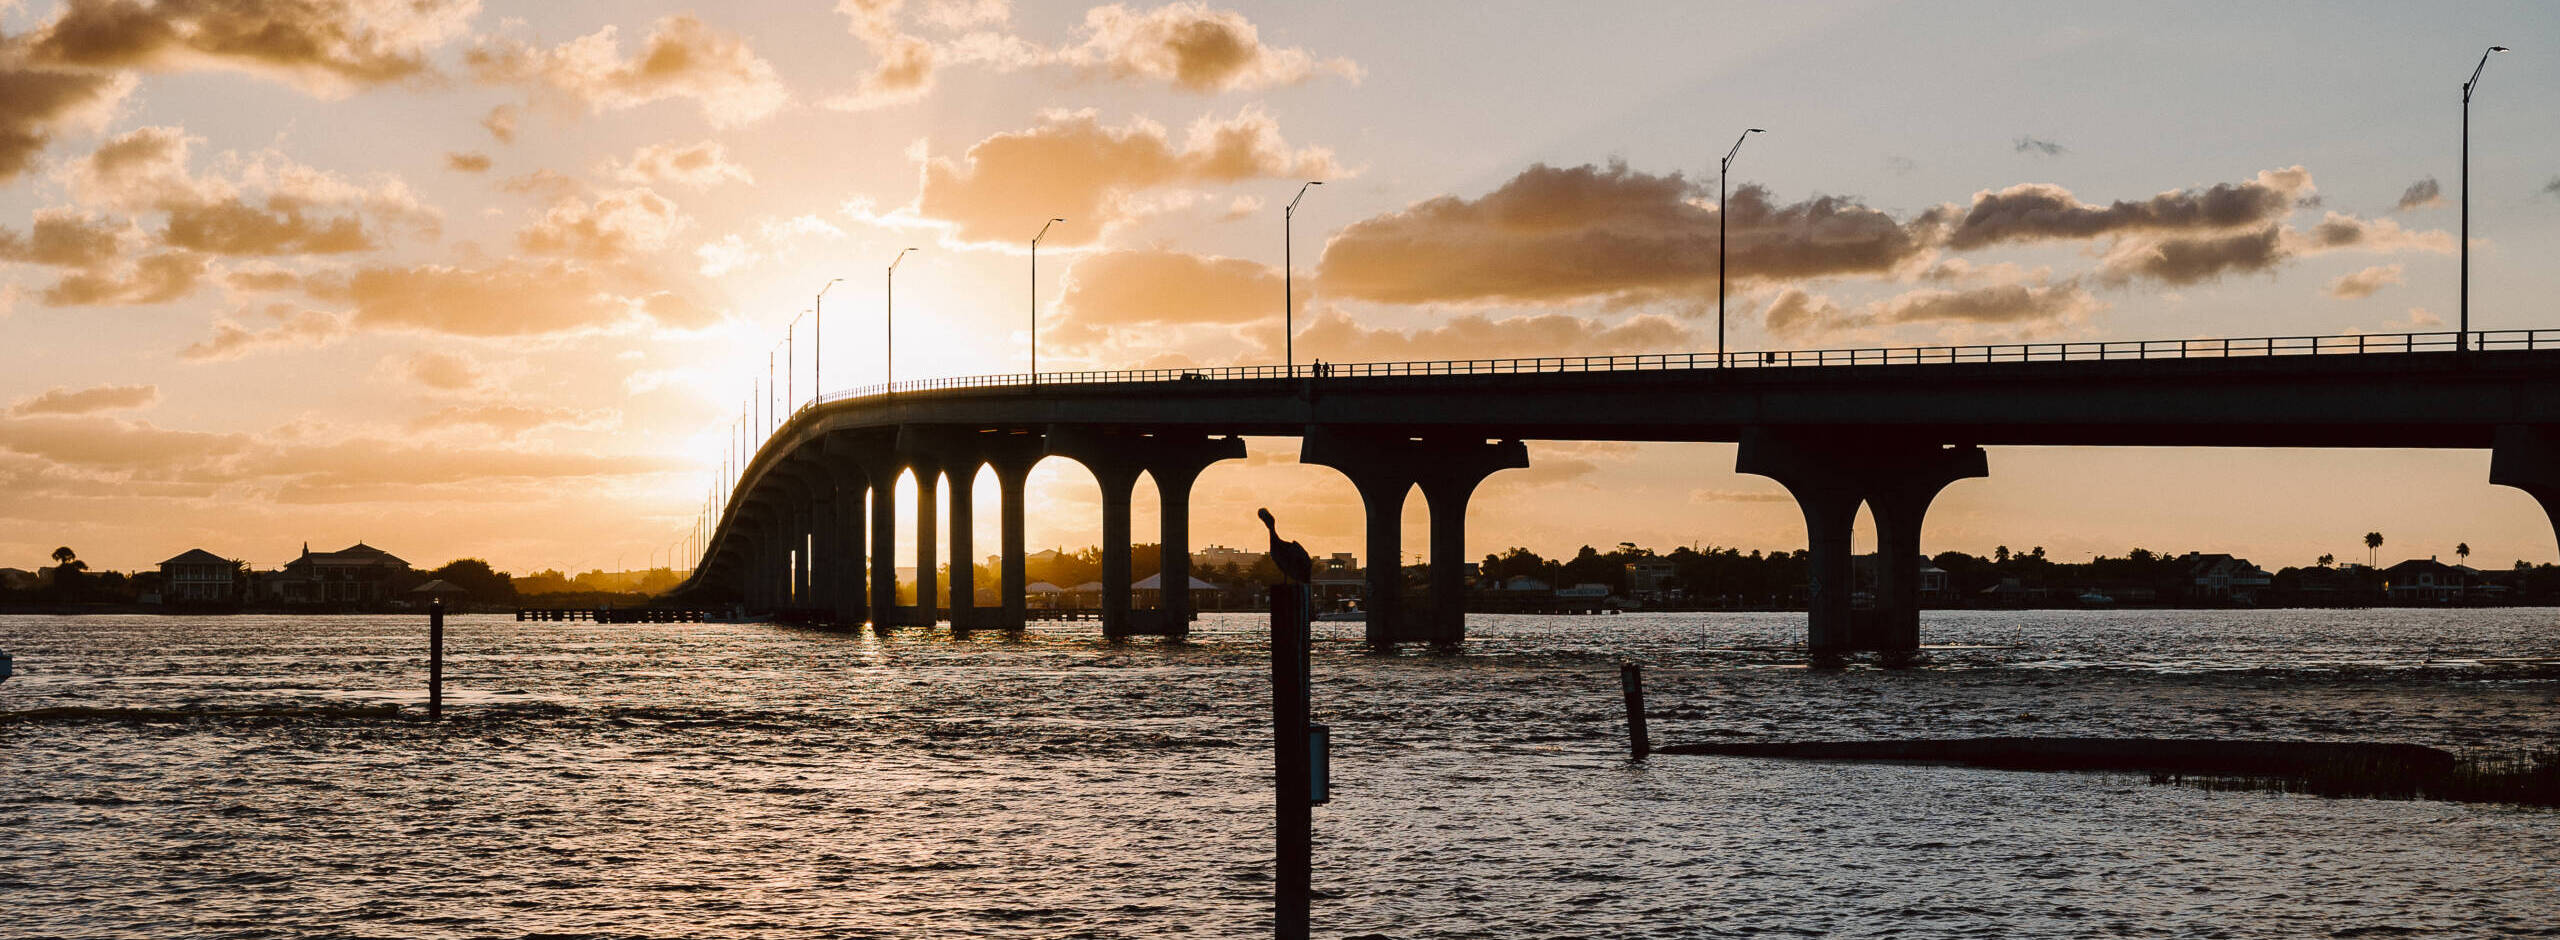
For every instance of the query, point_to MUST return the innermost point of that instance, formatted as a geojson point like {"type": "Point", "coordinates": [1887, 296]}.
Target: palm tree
{"type": "Point", "coordinates": [2373, 549]}
{"type": "Point", "coordinates": [2462, 551]}
{"type": "Point", "coordinates": [2327, 560]}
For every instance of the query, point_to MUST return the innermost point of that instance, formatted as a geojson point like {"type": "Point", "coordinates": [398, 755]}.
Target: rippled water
{"type": "Point", "coordinates": [717, 780]}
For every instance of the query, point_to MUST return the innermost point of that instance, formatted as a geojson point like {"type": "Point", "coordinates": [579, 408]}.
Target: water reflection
{"type": "Point", "coordinates": [736, 780]}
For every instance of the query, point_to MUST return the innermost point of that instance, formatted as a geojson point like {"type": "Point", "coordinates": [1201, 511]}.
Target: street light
{"type": "Point", "coordinates": [818, 358]}
{"type": "Point", "coordinates": [1722, 169]}
{"type": "Point", "coordinates": [889, 326]}
{"type": "Point", "coordinates": [790, 363]}
{"type": "Point", "coordinates": [2463, 339]}
{"type": "Point", "coordinates": [1035, 298]}
{"type": "Point", "coordinates": [1288, 285]}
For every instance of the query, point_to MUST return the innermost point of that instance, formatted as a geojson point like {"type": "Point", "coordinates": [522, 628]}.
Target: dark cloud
{"type": "Point", "coordinates": [81, 401]}
{"type": "Point", "coordinates": [1194, 48]}
{"type": "Point", "coordinates": [325, 46]}
{"type": "Point", "coordinates": [2553, 187]}
{"type": "Point", "coordinates": [1336, 337]}
{"type": "Point", "coordinates": [36, 103]}
{"type": "Point", "coordinates": [1555, 235]}
{"type": "Point", "coordinates": [2423, 194]}
{"type": "Point", "coordinates": [2031, 212]}
{"type": "Point", "coordinates": [2044, 147]}
{"type": "Point", "coordinates": [467, 162]}
{"type": "Point", "coordinates": [2194, 260]}
{"type": "Point", "coordinates": [2029, 307]}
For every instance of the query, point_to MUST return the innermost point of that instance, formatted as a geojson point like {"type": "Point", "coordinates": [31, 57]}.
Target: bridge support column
{"type": "Point", "coordinates": [2527, 457]}
{"type": "Point", "coordinates": [1447, 467]}
{"type": "Point", "coordinates": [928, 578]}
{"type": "Point", "coordinates": [880, 468]}
{"type": "Point", "coordinates": [1831, 474]}
{"type": "Point", "coordinates": [845, 566]}
{"type": "Point", "coordinates": [964, 521]}
{"type": "Point", "coordinates": [1012, 456]}
{"type": "Point", "coordinates": [1175, 461]}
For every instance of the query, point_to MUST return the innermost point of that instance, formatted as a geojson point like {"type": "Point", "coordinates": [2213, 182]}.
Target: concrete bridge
{"type": "Point", "coordinates": [1840, 428]}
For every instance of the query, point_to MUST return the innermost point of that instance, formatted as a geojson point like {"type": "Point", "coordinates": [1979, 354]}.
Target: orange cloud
{"type": "Point", "coordinates": [438, 371]}
{"type": "Point", "coordinates": [616, 226]}
{"type": "Point", "coordinates": [1074, 166]}
{"type": "Point", "coordinates": [2364, 283]}
{"type": "Point", "coordinates": [704, 164]}
{"type": "Point", "coordinates": [152, 279]}
{"type": "Point", "coordinates": [1193, 48]}
{"type": "Point", "coordinates": [512, 297]}
{"type": "Point", "coordinates": [506, 420]}
{"type": "Point", "coordinates": [293, 326]}
{"type": "Point", "coordinates": [70, 401]}
{"type": "Point", "coordinates": [460, 162]}
{"type": "Point", "coordinates": [1157, 288]}
{"type": "Point", "coordinates": [321, 46]}
{"type": "Point", "coordinates": [65, 238]}
{"type": "Point", "coordinates": [680, 58]}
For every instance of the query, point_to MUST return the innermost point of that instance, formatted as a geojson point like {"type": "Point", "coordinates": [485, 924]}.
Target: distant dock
{"type": "Point", "coordinates": [617, 615]}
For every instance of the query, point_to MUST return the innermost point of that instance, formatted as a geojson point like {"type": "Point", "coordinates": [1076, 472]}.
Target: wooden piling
{"type": "Point", "coordinates": [435, 659]}
{"type": "Point", "coordinates": [1291, 780]}
{"type": "Point", "coordinates": [1631, 679]}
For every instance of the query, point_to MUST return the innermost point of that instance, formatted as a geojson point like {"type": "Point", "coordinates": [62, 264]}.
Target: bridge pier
{"type": "Point", "coordinates": [928, 576]}
{"type": "Point", "coordinates": [2527, 457]}
{"type": "Point", "coordinates": [1383, 469]}
{"type": "Point", "coordinates": [1830, 474]}
{"type": "Point", "coordinates": [1012, 456]}
{"type": "Point", "coordinates": [846, 562]}
{"type": "Point", "coordinates": [1116, 460]}
{"type": "Point", "coordinates": [879, 465]}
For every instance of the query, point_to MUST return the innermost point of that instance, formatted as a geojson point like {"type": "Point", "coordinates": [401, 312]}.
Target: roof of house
{"type": "Point", "coordinates": [198, 556]}
{"type": "Point", "coordinates": [1155, 582]}
{"type": "Point", "coordinates": [357, 554]}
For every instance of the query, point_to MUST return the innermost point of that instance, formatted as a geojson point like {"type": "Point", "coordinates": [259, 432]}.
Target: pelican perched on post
{"type": "Point", "coordinates": [1290, 557]}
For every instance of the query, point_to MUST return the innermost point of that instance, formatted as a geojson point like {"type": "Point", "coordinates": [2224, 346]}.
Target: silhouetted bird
{"type": "Point", "coordinates": [1290, 557]}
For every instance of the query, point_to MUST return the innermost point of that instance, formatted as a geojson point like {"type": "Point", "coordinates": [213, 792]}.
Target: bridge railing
{"type": "Point", "coordinates": [2098, 350]}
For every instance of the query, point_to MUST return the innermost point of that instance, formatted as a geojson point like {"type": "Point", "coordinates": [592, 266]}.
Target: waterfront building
{"type": "Point", "coordinates": [359, 574]}
{"type": "Point", "coordinates": [200, 577]}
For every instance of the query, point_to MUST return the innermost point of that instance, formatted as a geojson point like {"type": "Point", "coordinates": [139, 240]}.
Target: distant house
{"type": "Point", "coordinates": [1651, 577]}
{"type": "Point", "coordinates": [1521, 583]}
{"type": "Point", "coordinates": [1215, 557]}
{"type": "Point", "coordinates": [2424, 581]}
{"type": "Point", "coordinates": [1935, 587]}
{"type": "Point", "coordinates": [2219, 577]}
{"type": "Point", "coordinates": [199, 577]}
{"type": "Point", "coordinates": [359, 574]}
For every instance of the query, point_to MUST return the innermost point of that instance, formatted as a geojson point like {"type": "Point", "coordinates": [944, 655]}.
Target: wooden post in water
{"type": "Point", "coordinates": [1291, 782]}
{"type": "Point", "coordinates": [435, 659]}
{"type": "Point", "coordinates": [1631, 677]}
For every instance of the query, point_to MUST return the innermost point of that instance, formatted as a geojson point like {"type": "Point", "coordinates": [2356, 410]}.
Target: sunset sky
{"type": "Point", "coordinates": [493, 279]}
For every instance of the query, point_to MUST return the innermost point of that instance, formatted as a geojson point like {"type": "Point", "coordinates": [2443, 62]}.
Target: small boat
{"type": "Point", "coordinates": [2095, 599]}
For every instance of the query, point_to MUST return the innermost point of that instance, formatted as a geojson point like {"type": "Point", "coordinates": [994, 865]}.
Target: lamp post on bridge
{"type": "Point", "coordinates": [1035, 298]}
{"type": "Point", "coordinates": [790, 363]}
{"type": "Point", "coordinates": [1288, 282]}
{"type": "Point", "coordinates": [818, 356]}
{"type": "Point", "coordinates": [1723, 168]}
{"type": "Point", "coordinates": [2463, 339]}
{"type": "Point", "coordinates": [889, 327]}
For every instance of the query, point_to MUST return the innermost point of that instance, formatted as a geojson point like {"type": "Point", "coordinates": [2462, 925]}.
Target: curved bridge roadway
{"type": "Point", "coordinates": [1887, 428]}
